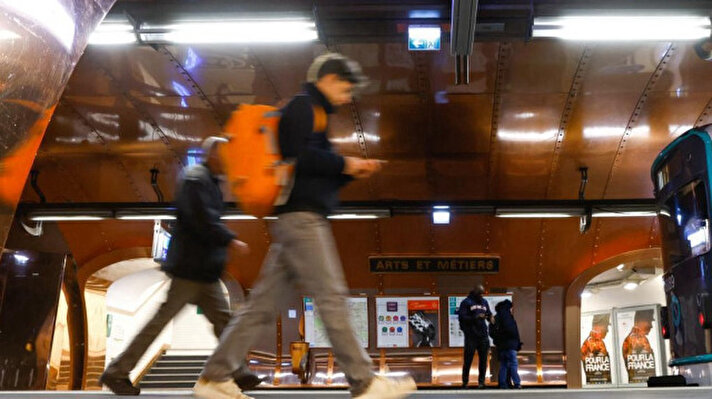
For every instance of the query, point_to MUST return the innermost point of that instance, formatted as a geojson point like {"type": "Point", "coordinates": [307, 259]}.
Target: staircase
{"type": "Point", "coordinates": [174, 371]}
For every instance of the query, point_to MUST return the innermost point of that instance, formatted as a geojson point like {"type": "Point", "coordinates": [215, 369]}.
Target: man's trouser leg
{"type": "Point", "coordinates": [214, 305]}
{"type": "Point", "coordinates": [315, 261]}
{"type": "Point", "coordinates": [307, 255]}
{"type": "Point", "coordinates": [469, 355]}
{"type": "Point", "coordinates": [482, 354]}
{"type": "Point", "coordinates": [180, 293]}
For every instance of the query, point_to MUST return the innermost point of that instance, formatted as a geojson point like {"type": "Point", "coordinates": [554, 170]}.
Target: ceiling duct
{"type": "Point", "coordinates": [462, 37]}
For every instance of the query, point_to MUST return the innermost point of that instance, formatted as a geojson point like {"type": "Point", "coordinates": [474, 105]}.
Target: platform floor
{"type": "Point", "coordinates": [635, 393]}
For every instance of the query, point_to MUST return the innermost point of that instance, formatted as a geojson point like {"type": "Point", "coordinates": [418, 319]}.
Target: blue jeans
{"type": "Point", "coordinates": [508, 366]}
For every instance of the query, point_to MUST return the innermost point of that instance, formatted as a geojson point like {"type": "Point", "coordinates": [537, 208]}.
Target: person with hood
{"type": "Point", "coordinates": [473, 315]}
{"type": "Point", "coordinates": [505, 335]}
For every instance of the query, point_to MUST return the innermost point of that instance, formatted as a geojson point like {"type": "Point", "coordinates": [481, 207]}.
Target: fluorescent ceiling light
{"type": "Point", "coordinates": [353, 216]}
{"type": "Point", "coordinates": [586, 294]}
{"type": "Point", "coordinates": [237, 31]}
{"type": "Point", "coordinates": [630, 286]}
{"type": "Point", "coordinates": [626, 214]}
{"type": "Point", "coordinates": [146, 217]}
{"type": "Point", "coordinates": [113, 33]}
{"type": "Point", "coordinates": [67, 218]}
{"type": "Point", "coordinates": [622, 28]}
{"type": "Point", "coordinates": [524, 215]}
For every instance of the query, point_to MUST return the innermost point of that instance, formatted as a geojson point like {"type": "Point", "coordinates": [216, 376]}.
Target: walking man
{"type": "Point", "coordinates": [473, 314]}
{"type": "Point", "coordinates": [303, 252]}
{"type": "Point", "coordinates": [195, 261]}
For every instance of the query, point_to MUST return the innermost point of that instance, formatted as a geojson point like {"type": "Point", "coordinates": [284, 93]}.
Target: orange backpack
{"type": "Point", "coordinates": [258, 175]}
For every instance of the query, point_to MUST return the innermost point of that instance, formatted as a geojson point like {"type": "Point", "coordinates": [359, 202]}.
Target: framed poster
{"type": "Point", "coordinates": [314, 331]}
{"type": "Point", "coordinates": [639, 344]}
{"type": "Point", "coordinates": [456, 338]}
{"type": "Point", "coordinates": [408, 322]}
{"type": "Point", "coordinates": [598, 349]}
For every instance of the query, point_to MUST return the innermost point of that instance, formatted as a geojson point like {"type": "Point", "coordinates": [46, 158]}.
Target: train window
{"type": "Point", "coordinates": [685, 223]}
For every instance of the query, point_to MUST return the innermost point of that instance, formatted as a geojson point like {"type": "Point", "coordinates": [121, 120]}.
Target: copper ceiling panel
{"type": "Point", "coordinates": [527, 130]}
{"type": "Point", "coordinates": [400, 179]}
{"type": "Point", "coordinates": [400, 122]}
{"type": "Point", "coordinates": [689, 72]}
{"type": "Point", "coordinates": [222, 71]}
{"type": "Point", "coordinates": [618, 68]}
{"type": "Point", "coordinates": [594, 131]}
{"type": "Point", "coordinates": [461, 127]}
{"type": "Point", "coordinates": [454, 180]}
{"type": "Point", "coordinates": [665, 116]}
{"type": "Point", "coordinates": [563, 249]}
{"type": "Point", "coordinates": [183, 122]}
{"type": "Point", "coordinates": [87, 240]}
{"type": "Point", "coordinates": [390, 67]}
{"type": "Point", "coordinates": [542, 66]}
{"type": "Point", "coordinates": [517, 242]}
{"type": "Point", "coordinates": [354, 253]}
{"type": "Point", "coordinates": [138, 70]}
{"type": "Point", "coordinates": [284, 68]}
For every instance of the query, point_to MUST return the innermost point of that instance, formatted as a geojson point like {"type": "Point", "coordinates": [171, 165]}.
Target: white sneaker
{"type": "Point", "coordinates": [388, 388]}
{"type": "Point", "coordinates": [206, 389]}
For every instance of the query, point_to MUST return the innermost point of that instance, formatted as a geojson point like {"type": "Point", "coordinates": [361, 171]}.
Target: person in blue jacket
{"type": "Point", "coordinates": [505, 335]}
{"type": "Point", "coordinates": [473, 315]}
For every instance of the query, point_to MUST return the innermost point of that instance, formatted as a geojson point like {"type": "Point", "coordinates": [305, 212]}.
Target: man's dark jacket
{"type": "Point", "coordinates": [319, 170]}
{"type": "Point", "coordinates": [470, 315]}
{"type": "Point", "coordinates": [198, 246]}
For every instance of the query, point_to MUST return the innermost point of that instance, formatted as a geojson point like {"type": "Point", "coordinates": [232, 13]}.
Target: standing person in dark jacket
{"type": "Point", "coordinates": [304, 251]}
{"type": "Point", "coordinates": [473, 314]}
{"type": "Point", "coordinates": [195, 261]}
{"type": "Point", "coordinates": [506, 338]}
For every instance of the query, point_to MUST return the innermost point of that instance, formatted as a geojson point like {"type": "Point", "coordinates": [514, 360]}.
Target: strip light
{"type": "Point", "coordinates": [208, 31]}
{"type": "Point", "coordinates": [111, 32]}
{"type": "Point", "coordinates": [622, 28]}
{"type": "Point", "coordinates": [67, 218]}
{"type": "Point", "coordinates": [535, 215]}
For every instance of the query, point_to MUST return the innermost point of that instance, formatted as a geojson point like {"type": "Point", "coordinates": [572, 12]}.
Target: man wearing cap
{"type": "Point", "coordinates": [303, 251]}
{"type": "Point", "coordinates": [196, 259]}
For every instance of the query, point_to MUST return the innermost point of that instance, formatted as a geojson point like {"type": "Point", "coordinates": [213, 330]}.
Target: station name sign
{"type": "Point", "coordinates": [434, 264]}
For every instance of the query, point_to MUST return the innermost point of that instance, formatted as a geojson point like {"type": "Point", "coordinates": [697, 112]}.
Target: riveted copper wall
{"type": "Point", "coordinates": [40, 47]}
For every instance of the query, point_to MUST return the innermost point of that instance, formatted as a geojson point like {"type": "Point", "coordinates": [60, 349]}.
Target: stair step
{"type": "Point", "coordinates": [176, 363]}
{"type": "Point", "coordinates": [175, 370]}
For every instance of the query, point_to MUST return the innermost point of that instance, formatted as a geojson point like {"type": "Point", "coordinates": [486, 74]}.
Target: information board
{"type": "Point", "coordinates": [314, 331]}
{"type": "Point", "coordinates": [408, 322]}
